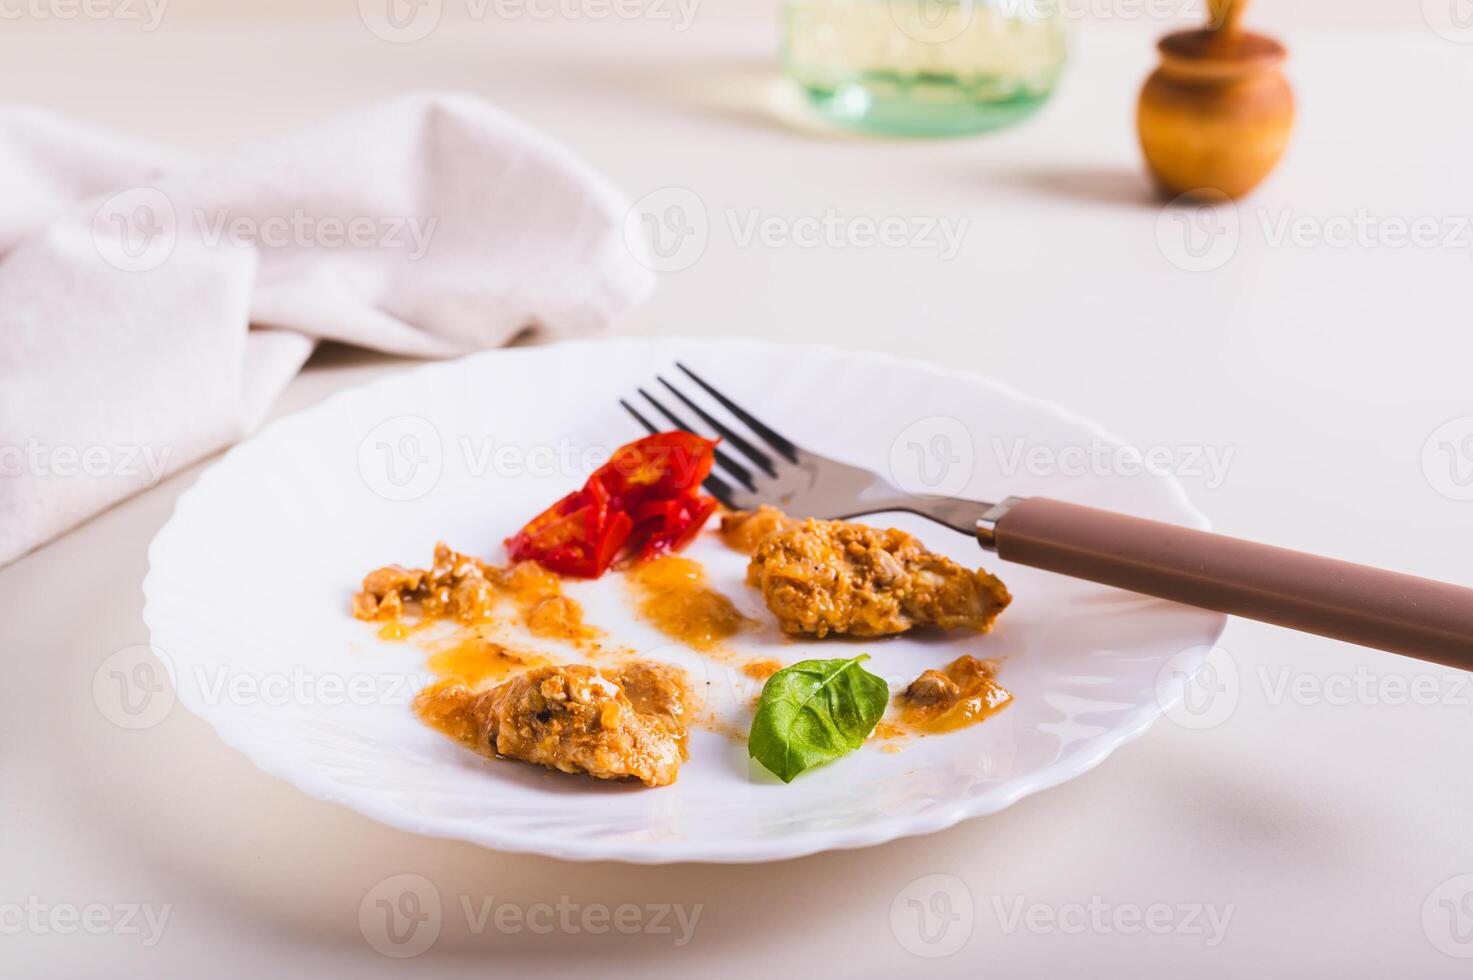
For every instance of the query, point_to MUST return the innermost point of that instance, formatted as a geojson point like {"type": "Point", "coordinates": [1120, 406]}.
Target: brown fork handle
{"type": "Point", "coordinates": [1401, 613]}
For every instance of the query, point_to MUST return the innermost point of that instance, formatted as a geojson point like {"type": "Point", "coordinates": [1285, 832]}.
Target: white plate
{"type": "Point", "coordinates": [249, 586]}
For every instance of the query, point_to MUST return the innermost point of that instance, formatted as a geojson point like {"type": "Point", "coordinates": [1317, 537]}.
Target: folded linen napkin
{"type": "Point", "coordinates": [152, 306]}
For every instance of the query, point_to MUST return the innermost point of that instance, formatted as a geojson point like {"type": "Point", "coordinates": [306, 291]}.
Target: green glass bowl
{"type": "Point", "coordinates": [925, 67]}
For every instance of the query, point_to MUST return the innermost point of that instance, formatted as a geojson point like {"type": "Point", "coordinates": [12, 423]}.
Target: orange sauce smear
{"type": "Point", "coordinates": [475, 660]}
{"type": "Point", "coordinates": [743, 530]}
{"type": "Point", "coordinates": [445, 707]}
{"type": "Point", "coordinates": [545, 611]}
{"type": "Point", "coordinates": [398, 629]}
{"type": "Point", "coordinates": [675, 599]}
{"type": "Point", "coordinates": [673, 596]}
{"type": "Point", "coordinates": [465, 668]}
{"type": "Point", "coordinates": [760, 670]}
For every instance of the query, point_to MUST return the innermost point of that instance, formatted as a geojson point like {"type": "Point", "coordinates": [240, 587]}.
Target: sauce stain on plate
{"type": "Point", "coordinates": [473, 660]}
{"type": "Point", "coordinates": [675, 599]}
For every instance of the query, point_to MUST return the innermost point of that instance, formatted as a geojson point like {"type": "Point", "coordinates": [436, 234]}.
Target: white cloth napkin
{"type": "Point", "coordinates": [152, 306]}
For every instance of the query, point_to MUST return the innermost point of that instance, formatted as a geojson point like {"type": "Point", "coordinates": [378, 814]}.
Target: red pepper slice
{"type": "Point", "coordinates": [658, 467]}
{"type": "Point", "coordinates": [670, 525]}
{"type": "Point", "coordinates": [577, 536]}
{"type": "Point", "coordinates": [645, 498]}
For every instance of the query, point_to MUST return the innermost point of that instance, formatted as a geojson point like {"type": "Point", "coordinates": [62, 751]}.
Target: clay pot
{"type": "Point", "coordinates": [1215, 117]}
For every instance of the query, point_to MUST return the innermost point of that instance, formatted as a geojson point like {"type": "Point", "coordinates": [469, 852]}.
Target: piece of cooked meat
{"type": "Point", "coordinates": [466, 589]}
{"type": "Point", "coordinates": [822, 577]}
{"type": "Point", "coordinates": [456, 586]}
{"type": "Point", "coordinates": [963, 693]}
{"type": "Point", "coordinates": [625, 724]}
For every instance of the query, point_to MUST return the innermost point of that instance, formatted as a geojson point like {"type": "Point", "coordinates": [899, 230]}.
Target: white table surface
{"type": "Point", "coordinates": [1323, 828]}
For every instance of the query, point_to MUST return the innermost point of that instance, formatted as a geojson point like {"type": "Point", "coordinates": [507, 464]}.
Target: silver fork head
{"type": "Point", "coordinates": [773, 469]}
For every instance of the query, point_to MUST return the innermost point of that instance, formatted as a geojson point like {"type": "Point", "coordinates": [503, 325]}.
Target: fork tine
{"type": "Point", "coordinates": [648, 425]}
{"type": "Point", "coordinates": [721, 490]}
{"type": "Point", "coordinates": [714, 485]}
{"type": "Point", "coordinates": [759, 459]}
{"type": "Point", "coordinates": [780, 445]}
{"type": "Point", "coordinates": [737, 470]}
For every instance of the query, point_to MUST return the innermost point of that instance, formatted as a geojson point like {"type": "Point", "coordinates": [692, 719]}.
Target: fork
{"type": "Point", "coordinates": [1404, 614]}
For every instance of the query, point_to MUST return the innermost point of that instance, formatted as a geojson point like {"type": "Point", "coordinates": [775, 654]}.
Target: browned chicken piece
{"type": "Point", "coordinates": [468, 590]}
{"type": "Point", "coordinates": [822, 577]}
{"type": "Point", "coordinates": [963, 693]}
{"type": "Point", "coordinates": [456, 586]}
{"type": "Point", "coordinates": [744, 530]}
{"type": "Point", "coordinates": [624, 724]}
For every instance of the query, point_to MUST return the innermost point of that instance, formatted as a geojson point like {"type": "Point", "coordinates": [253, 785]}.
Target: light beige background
{"type": "Point", "coordinates": [1277, 14]}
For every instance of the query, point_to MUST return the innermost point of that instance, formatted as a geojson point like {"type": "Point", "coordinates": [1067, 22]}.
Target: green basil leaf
{"type": "Point", "coordinates": [813, 712]}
